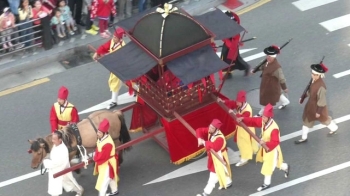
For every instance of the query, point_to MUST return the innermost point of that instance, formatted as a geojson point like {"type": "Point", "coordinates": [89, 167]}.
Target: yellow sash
{"type": "Point", "coordinates": [268, 158]}
{"type": "Point", "coordinates": [101, 170]}
{"type": "Point", "coordinates": [246, 145]}
{"type": "Point", "coordinates": [219, 167]}
{"type": "Point", "coordinates": [65, 116]}
{"type": "Point", "coordinates": [113, 81]}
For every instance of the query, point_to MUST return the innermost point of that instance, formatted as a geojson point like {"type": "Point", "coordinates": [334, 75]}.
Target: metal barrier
{"type": "Point", "coordinates": [40, 34]}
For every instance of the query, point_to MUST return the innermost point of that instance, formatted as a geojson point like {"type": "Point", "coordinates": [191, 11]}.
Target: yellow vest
{"type": "Point", "coordinates": [246, 145]}
{"type": "Point", "coordinates": [220, 170]}
{"type": "Point", "coordinates": [113, 81]}
{"type": "Point", "coordinates": [65, 116]}
{"type": "Point", "coordinates": [268, 158]}
{"type": "Point", "coordinates": [101, 169]}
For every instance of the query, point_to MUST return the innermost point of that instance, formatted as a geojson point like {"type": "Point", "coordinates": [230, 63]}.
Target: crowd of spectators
{"type": "Point", "coordinates": [20, 24]}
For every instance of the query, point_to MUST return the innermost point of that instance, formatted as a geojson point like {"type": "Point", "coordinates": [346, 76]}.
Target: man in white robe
{"type": "Point", "coordinates": [58, 161]}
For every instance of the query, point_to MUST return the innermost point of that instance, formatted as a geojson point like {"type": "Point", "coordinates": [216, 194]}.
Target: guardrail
{"type": "Point", "coordinates": [39, 34]}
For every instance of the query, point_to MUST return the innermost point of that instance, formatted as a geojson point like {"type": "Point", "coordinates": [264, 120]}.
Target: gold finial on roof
{"type": "Point", "coordinates": [168, 8]}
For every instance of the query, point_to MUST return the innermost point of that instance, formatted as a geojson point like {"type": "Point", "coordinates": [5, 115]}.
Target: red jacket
{"type": "Point", "coordinates": [215, 145]}
{"type": "Point", "coordinates": [232, 44]}
{"type": "Point", "coordinates": [103, 9]}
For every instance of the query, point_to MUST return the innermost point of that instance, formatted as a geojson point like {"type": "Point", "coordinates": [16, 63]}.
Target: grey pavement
{"type": "Point", "coordinates": [24, 115]}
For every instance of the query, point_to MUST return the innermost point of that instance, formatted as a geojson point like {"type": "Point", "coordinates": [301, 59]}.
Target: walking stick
{"type": "Point", "coordinates": [189, 127]}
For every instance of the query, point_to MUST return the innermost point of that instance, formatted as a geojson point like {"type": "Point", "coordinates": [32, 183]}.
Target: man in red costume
{"type": "Point", "coordinates": [62, 112]}
{"type": "Point", "coordinates": [212, 138]}
{"type": "Point", "coordinates": [270, 137]}
{"type": "Point", "coordinates": [112, 45]}
{"type": "Point", "coordinates": [230, 50]}
{"type": "Point", "coordinates": [106, 161]}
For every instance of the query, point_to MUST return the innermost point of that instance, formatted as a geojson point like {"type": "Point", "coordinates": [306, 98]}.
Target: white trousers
{"type": "Point", "coordinates": [114, 97]}
{"type": "Point", "coordinates": [213, 179]}
{"type": "Point", "coordinates": [108, 181]}
{"type": "Point", "coordinates": [284, 167]}
{"type": "Point", "coordinates": [284, 100]}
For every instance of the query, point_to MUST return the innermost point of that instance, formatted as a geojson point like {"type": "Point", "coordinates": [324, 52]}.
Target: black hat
{"type": "Point", "coordinates": [272, 50]}
{"type": "Point", "coordinates": [319, 68]}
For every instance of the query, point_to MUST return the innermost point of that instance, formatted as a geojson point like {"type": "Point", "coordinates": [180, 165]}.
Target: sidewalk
{"type": "Point", "coordinates": [77, 44]}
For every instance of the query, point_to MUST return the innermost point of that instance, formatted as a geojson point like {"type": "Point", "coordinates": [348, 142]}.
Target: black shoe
{"type": "Point", "coordinates": [112, 194]}
{"type": "Point", "coordinates": [300, 141]}
{"type": "Point", "coordinates": [286, 173]}
{"type": "Point", "coordinates": [263, 187]}
{"type": "Point", "coordinates": [112, 105]}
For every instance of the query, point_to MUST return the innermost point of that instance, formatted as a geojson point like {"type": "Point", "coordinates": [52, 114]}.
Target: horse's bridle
{"type": "Point", "coordinates": [41, 161]}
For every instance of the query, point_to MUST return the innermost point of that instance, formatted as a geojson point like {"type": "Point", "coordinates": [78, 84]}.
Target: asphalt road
{"type": "Point", "coordinates": [24, 115]}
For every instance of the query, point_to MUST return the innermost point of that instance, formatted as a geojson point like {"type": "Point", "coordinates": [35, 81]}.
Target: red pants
{"type": "Point", "coordinates": [103, 25]}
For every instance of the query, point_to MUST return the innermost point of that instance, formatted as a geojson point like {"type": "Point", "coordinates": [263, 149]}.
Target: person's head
{"type": "Point", "coordinates": [233, 16]}
{"type": "Point", "coordinates": [62, 95]}
{"type": "Point", "coordinates": [268, 113]}
{"type": "Point", "coordinates": [214, 126]}
{"type": "Point", "coordinates": [37, 4]}
{"type": "Point", "coordinates": [57, 13]}
{"type": "Point", "coordinates": [271, 53]}
{"type": "Point", "coordinates": [318, 71]}
{"type": "Point", "coordinates": [24, 3]}
{"type": "Point", "coordinates": [61, 3]}
{"type": "Point", "coordinates": [7, 11]}
{"type": "Point", "coordinates": [57, 138]}
{"type": "Point", "coordinates": [103, 128]}
{"type": "Point", "coordinates": [241, 98]}
{"type": "Point", "coordinates": [118, 34]}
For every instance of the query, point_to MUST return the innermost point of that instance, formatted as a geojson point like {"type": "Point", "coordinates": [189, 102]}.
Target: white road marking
{"type": "Point", "coordinates": [253, 57]}
{"type": "Point", "coordinates": [337, 23]}
{"type": "Point", "coordinates": [122, 99]}
{"type": "Point", "coordinates": [242, 51]}
{"type": "Point", "coordinates": [341, 74]}
{"type": "Point", "coordinates": [20, 178]}
{"type": "Point", "coordinates": [195, 167]}
{"type": "Point", "coordinates": [83, 36]}
{"type": "Point", "coordinates": [303, 179]}
{"type": "Point", "coordinates": [72, 40]}
{"type": "Point", "coordinates": [304, 5]}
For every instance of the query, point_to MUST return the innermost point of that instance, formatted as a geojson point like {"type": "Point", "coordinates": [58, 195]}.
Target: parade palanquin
{"type": "Point", "coordinates": [170, 63]}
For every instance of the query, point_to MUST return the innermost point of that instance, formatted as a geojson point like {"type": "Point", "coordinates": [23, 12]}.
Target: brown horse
{"type": "Point", "coordinates": [87, 129]}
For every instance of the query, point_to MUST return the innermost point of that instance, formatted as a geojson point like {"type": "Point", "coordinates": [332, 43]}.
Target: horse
{"type": "Point", "coordinates": [86, 132]}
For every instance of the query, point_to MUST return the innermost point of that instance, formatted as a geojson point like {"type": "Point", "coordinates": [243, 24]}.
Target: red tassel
{"type": "Point", "coordinates": [212, 78]}
{"type": "Point", "coordinates": [324, 67]}
{"type": "Point", "coordinates": [199, 94]}
{"type": "Point", "coordinates": [204, 82]}
{"type": "Point", "coordinates": [221, 75]}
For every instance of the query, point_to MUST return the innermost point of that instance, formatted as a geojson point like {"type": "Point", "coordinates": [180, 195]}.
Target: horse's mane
{"type": "Point", "coordinates": [67, 135]}
{"type": "Point", "coordinates": [36, 145]}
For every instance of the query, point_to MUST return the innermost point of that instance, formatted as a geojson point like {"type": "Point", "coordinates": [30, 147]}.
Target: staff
{"type": "Point", "coordinates": [304, 95]}
{"type": "Point", "coordinates": [264, 61]}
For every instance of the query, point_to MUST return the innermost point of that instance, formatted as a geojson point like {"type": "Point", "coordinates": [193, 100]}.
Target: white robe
{"type": "Point", "coordinates": [58, 161]}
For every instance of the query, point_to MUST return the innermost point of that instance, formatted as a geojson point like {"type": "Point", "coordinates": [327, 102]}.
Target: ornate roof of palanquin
{"type": "Point", "coordinates": [169, 30]}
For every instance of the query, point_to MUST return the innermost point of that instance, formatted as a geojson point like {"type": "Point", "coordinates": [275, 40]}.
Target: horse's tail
{"type": "Point", "coordinates": [124, 132]}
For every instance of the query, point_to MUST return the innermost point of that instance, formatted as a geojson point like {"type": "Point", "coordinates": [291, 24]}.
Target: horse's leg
{"type": "Point", "coordinates": [71, 155]}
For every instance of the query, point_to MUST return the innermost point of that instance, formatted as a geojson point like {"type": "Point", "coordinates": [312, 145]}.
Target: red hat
{"type": "Point", "coordinates": [119, 33]}
{"type": "Point", "coordinates": [268, 111]}
{"type": "Point", "coordinates": [241, 96]}
{"type": "Point", "coordinates": [216, 123]}
{"type": "Point", "coordinates": [104, 126]}
{"type": "Point", "coordinates": [63, 93]}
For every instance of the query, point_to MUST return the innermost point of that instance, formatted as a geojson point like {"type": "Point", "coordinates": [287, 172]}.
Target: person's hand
{"type": "Point", "coordinates": [241, 44]}
{"type": "Point", "coordinates": [200, 142]}
{"type": "Point", "coordinates": [95, 56]}
{"type": "Point", "coordinates": [251, 71]}
{"type": "Point", "coordinates": [232, 111]}
{"type": "Point", "coordinates": [219, 100]}
{"type": "Point", "coordinates": [285, 90]}
{"type": "Point", "coordinates": [317, 115]}
{"type": "Point", "coordinates": [261, 142]}
{"type": "Point", "coordinates": [239, 119]}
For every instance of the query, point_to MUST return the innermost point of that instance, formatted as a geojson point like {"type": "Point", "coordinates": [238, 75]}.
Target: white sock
{"type": "Point", "coordinates": [267, 180]}
{"type": "Point", "coordinates": [114, 97]}
{"type": "Point", "coordinates": [304, 131]}
{"type": "Point", "coordinates": [284, 100]}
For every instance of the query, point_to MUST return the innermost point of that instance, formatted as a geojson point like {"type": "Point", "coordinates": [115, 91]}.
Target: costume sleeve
{"type": "Point", "coordinates": [253, 121]}
{"type": "Point", "coordinates": [104, 155]}
{"type": "Point", "coordinates": [57, 160]}
{"type": "Point", "coordinates": [280, 76]}
{"type": "Point", "coordinates": [216, 145]}
{"type": "Point", "coordinates": [114, 11]}
{"type": "Point", "coordinates": [104, 48]}
{"type": "Point", "coordinates": [53, 119]}
{"type": "Point", "coordinates": [245, 114]}
{"type": "Point", "coordinates": [202, 133]}
{"type": "Point", "coordinates": [231, 104]}
{"type": "Point", "coordinates": [74, 115]}
{"type": "Point", "coordinates": [274, 139]}
{"type": "Point", "coordinates": [321, 99]}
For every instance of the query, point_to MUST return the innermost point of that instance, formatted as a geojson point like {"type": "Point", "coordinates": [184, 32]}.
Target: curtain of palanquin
{"type": "Point", "coordinates": [182, 144]}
